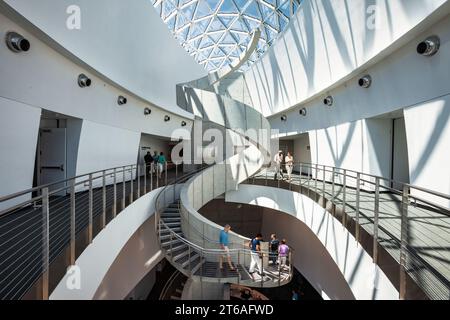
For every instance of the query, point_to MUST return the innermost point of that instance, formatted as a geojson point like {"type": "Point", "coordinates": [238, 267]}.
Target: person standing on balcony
{"type": "Point", "coordinates": [155, 162]}
{"type": "Point", "coordinates": [224, 245]}
{"type": "Point", "coordinates": [289, 165]}
{"type": "Point", "coordinates": [283, 252]}
{"type": "Point", "coordinates": [256, 255]}
{"type": "Point", "coordinates": [161, 163]}
{"type": "Point", "coordinates": [148, 160]}
{"type": "Point", "coordinates": [278, 161]}
{"type": "Point", "coordinates": [274, 243]}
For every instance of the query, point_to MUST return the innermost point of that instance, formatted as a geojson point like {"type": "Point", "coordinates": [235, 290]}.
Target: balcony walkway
{"type": "Point", "coordinates": [21, 233]}
{"type": "Point", "coordinates": [428, 258]}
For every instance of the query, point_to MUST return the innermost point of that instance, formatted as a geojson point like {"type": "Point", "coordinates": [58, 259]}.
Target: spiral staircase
{"type": "Point", "coordinates": [187, 239]}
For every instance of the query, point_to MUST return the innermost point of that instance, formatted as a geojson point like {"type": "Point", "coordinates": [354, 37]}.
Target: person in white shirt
{"type": "Point", "coordinates": [278, 161]}
{"type": "Point", "coordinates": [289, 165]}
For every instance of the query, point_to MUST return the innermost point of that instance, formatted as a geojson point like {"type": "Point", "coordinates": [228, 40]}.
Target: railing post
{"type": "Point", "coordinates": [404, 242]}
{"type": "Point", "coordinates": [72, 223]}
{"type": "Point", "coordinates": [123, 188]}
{"type": "Point", "coordinates": [315, 182]}
{"type": "Point", "coordinates": [104, 200]}
{"type": "Point", "coordinates": [115, 194]}
{"type": "Point", "coordinates": [45, 244]}
{"type": "Point", "coordinates": [238, 264]}
{"type": "Point", "coordinates": [145, 178]}
{"type": "Point", "coordinates": [266, 176]}
{"type": "Point", "coordinates": [375, 220]}
{"type": "Point", "coordinates": [91, 209]}
{"type": "Point", "coordinates": [279, 272]}
{"type": "Point", "coordinates": [152, 168]}
{"type": "Point", "coordinates": [157, 175]}
{"type": "Point", "coordinates": [309, 176]}
{"type": "Point", "coordinates": [358, 195]}
{"type": "Point", "coordinates": [190, 267]}
{"type": "Point", "coordinates": [323, 187]}
{"type": "Point", "coordinates": [344, 200]}
{"type": "Point", "coordinates": [171, 240]}
{"type": "Point", "coordinates": [300, 178]}
{"type": "Point", "coordinates": [138, 181]}
{"type": "Point", "coordinates": [166, 173]}
{"type": "Point", "coordinates": [131, 185]}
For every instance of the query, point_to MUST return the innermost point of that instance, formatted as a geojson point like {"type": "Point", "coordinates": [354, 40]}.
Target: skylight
{"type": "Point", "coordinates": [217, 32]}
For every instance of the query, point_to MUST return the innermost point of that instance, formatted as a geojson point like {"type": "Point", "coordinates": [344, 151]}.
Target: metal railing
{"type": "Point", "coordinates": [410, 223]}
{"type": "Point", "coordinates": [196, 260]}
{"type": "Point", "coordinates": [44, 229]}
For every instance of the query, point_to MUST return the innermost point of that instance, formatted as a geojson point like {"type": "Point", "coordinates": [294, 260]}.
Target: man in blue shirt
{"type": "Point", "coordinates": [224, 245]}
{"type": "Point", "coordinates": [256, 255]}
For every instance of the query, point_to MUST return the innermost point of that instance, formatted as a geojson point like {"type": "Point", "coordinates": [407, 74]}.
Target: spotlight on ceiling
{"type": "Point", "coordinates": [166, 118]}
{"type": "Point", "coordinates": [365, 82]}
{"type": "Point", "coordinates": [429, 47]}
{"type": "Point", "coordinates": [147, 111]}
{"type": "Point", "coordinates": [122, 100]}
{"type": "Point", "coordinates": [303, 112]}
{"type": "Point", "coordinates": [183, 123]}
{"type": "Point", "coordinates": [16, 42]}
{"type": "Point", "coordinates": [284, 117]}
{"type": "Point", "coordinates": [328, 101]}
{"type": "Point", "coordinates": [84, 81]}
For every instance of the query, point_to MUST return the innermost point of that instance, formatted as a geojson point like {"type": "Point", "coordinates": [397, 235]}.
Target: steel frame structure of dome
{"type": "Point", "coordinates": [217, 32]}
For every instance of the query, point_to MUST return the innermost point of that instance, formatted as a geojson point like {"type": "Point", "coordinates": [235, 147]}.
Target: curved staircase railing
{"type": "Point", "coordinates": [201, 262]}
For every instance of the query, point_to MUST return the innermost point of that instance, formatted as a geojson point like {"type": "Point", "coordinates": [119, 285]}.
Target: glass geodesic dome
{"type": "Point", "coordinates": [217, 32]}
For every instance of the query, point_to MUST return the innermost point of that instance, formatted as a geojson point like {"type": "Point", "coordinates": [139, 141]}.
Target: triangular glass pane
{"type": "Point", "coordinates": [183, 2]}
{"type": "Point", "coordinates": [253, 11]}
{"type": "Point", "coordinates": [228, 7]}
{"type": "Point", "coordinates": [218, 53]}
{"type": "Point", "coordinates": [181, 21]}
{"type": "Point", "coordinates": [206, 42]}
{"type": "Point", "coordinates": [266, 11]}
{"type": "Point", "coordinates": [241, 4]}
{"type": "Point", "coordinates": [272, 21]}
{"type": "Point", "coordinates": [198, 29]}
{"type": "Point", "coordinates": [203, 10]}
{"type": "Point", "coordinates": [171, 23]}
{"type": "Point", "coordinates": [182, 34]}
{"type": "Point", "coordinates": [216, 25]}
{"type": "Point", "coordinates": [213, 4]}
{"type": "Point", "coordinates": [216, 36]}
{"type": "Point", "coordinates": [227, 20]}
{"type": "Point", "coordinates": [188, 12]}
{"type": "Point", "coordinates": [285, 9]}
{"type": "Point", "coordinates": [228, 39]}
{"type": "Point", "coordinates": [167, 8]}
{"type": "Point", "coordinates": [253, 25]}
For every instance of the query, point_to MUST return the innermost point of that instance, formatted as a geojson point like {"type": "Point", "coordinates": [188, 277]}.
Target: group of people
{"type": "Point", "coordinates": [158, 161]}
{"type": "Point", "coordinates": [288, 162]}
{"type": "Point", "coordinates": [278, 252]}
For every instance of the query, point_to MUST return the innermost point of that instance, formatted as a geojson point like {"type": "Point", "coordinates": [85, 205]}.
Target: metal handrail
{"type": "Point", "coordinates": [320, 167]}
{"type": "Point", "coordinates": [125, 168]}
{"type": "Point", "coordinates": [42, 205]}
{"type": "Point", "coordinates": [407, 253]}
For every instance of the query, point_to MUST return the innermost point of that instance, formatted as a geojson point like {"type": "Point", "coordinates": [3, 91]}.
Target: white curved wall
{"type": "Point", "coordinates": [126, 41]}
{"type": "Point", "coordinates": [119, 256]}
{"type": "Point", "coordinates": [325, 42]}
{"type": "Point", "coordinates": [364, 278]}
{"type": "Point", "coordinates": [43, 78]}
{"type": "Point", "coordinates": [19, 125]}
{"type": "Point", "coordinates": [351, 135]}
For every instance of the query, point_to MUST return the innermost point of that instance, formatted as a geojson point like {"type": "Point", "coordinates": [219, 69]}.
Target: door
{"type": "Point", "coordinates": [52, 157]}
